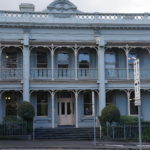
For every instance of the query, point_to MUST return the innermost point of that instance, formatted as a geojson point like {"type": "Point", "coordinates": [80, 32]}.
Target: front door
{"type": "Point", "coordinates": [65, 111]}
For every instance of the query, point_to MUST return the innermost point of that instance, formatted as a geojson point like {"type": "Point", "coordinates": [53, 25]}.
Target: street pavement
{"type": "Point", "coordinates": [69, 145]}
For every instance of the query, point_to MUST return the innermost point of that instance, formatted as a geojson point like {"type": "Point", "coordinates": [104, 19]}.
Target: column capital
{"type": "Point", "coordinates": [100, 41]}
{"type": "Point", "coordinates": [25, 40]}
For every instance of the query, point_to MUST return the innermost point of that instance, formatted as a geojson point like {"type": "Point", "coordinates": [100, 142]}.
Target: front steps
{"type": "Point", "coordinates": [68, 133]}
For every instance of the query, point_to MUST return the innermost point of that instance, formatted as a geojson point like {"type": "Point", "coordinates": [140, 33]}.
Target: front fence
{"type": "Point", "coordinates": [128, 132]}
{"type": "Point", "coordinates": [13, 128]}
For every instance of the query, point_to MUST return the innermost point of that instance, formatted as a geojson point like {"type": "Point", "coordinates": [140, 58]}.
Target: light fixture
{"type": "Point", "coordinates": [7, 98]}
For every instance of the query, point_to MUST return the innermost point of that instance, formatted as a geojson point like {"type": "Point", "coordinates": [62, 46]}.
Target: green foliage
{"type": "Point", "coordinates": [110, 114]}
{"type": "Point", "coordinates": [10, 118]}
{"type": "Point", "coordinates": [128, 120]}
{"type": "Point", "coordinates": [26, 111]}
{"type": "Point", "coordinates": [146, 134]}
{"type": "Point", "coordinates": [146, 122]}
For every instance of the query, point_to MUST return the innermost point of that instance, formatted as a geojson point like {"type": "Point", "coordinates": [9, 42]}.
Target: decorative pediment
{"type": "Point", "coordinates": [61, 6]}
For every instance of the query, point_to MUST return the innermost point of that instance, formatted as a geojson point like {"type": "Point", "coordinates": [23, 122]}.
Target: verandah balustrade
{"type": "Point", "coordinates": [124, 74]}
{"type": "Point", "coordinates": [69, 73]}
{"type": "Point", "coordinates": [11, 73]}
{"type": "Point", "coordinates": [63, 73]}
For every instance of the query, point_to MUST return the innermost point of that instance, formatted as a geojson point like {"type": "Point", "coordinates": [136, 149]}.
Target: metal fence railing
{"type": "Point", "coordinates": [13, 128]}
{"type": "Point", "coordinates": [128, 132]}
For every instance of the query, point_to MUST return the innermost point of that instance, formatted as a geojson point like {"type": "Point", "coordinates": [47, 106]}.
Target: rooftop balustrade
{"type": "Point", "coordinates": [42, 17]}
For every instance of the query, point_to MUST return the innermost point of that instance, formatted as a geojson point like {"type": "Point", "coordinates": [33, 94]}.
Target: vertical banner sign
{"type": "Point", "coordinates": [137, 83]}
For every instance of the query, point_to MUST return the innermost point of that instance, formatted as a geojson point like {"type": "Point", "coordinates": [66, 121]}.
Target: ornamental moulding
{"type": "Point", "coordinates": [73, 26]}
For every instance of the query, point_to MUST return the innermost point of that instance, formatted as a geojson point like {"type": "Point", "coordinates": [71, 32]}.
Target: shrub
{"type": "Point", "coordinates": [110, 114]}
{"type": "Point", "coordinates": [26, 111]}
{"type": "Point", "coordinates": [146, 134]}
{"type": "Point", "coordinates": [146, 122]}
{"type": "Point", "coordinates": [10, 118]}
{"type": "Point", "coordinates": [126, 120]}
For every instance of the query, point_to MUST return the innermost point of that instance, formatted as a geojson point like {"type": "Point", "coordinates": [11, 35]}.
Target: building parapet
{"type": "Point", "coordinates": [74, 18]}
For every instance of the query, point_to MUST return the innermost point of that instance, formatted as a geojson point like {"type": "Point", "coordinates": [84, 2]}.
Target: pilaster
{"type": "Point", "coordinates": [26, 67]}
{"type": "Point", "coordinates": [53, 109]}
{"type": "Point", "coordinates": [76, 62]}
{"type": "Point", "coordinates": [101, 73]}
{"type": "Point", "coordinates": [52, 61]}
{"type": "Point", "coordinates": [1, 49]}
{"type": "Point", "coordinates": [1, 108]}
{"type": "Point", "coordinates": [128, 101]}
{"type": "Point", "coordinates": [93, 103]}
{"type": "Point", "coordinates": [76, 103]}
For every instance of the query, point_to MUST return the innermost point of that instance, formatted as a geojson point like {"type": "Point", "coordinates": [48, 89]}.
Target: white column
{"type": "Point", "coordinates": [127, 61]}
{"type": "Point", "coordinates": [26, 68]}
{"type": "Point", "coordinates": [93, 103]}
{"type": "Point", "coordinates": [76, 62]}
{"type": "Point", "coordinates": [0, 61]}
{"type": "Point", "coordinates": [101, 74]}
{"type": "Point", "coordinates": [1, 108]}
{"type": "Point", "coordinates": [128, 101]}
{"type": "Point", "coordinates": [76, 101]}
{"type": "Point", "coordinates": [53, 110]}
{"type": "Point", "coordinates": [52, 63]}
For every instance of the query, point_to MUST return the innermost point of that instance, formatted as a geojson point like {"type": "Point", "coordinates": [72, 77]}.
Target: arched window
{"type": "Point", "coordinates": [87, 97]}
{"type": "Point", "coordinates": [42, 104]}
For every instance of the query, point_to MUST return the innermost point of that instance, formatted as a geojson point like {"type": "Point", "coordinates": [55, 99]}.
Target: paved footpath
{"type": "Point", "coordinates": [69, 145]}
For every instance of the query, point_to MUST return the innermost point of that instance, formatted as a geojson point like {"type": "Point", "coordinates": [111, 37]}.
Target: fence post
{"type": "Point", "coordinates": [113, 132]}
{"type": "Point", "coordinates": [124, 128]}
{"type": "Point", "coordinates": [107, 130]}
{"type": "Point", "coordinates": [33, 130]}
{"type": "Point", "coordinates": [100, 131]}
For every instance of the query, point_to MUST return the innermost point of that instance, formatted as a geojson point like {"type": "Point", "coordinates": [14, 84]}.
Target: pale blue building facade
{"type": "Point", "coordinates": [71, 64]}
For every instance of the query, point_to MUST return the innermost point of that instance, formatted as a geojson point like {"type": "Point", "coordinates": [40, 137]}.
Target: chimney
{"type": "Point", "coordinates": [26, 7]}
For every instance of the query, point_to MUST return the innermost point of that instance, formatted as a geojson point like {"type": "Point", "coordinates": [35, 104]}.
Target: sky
{"type": "Point", "coordinates": [104, 6]}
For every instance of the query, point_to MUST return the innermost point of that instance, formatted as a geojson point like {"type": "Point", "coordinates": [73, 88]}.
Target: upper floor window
{"type": "Point", "coordinates": [10, 59]}
{"type": "Point", "coordinates": [84, 60]}
{"type": "Point", "coordinates": [110, 60]}
{"type": "Point", "coordinates": [131, 57]}
{"type": "Point", "coordinates": [63, 58]}
{"type": "Point", "coordinates": [42, 60]}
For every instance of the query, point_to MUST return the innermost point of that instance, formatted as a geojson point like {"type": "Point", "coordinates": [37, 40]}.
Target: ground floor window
{"type": "Point", "coordinates": [87, 96]}
{"type": "Point", "coordinates": [11, 99]}
{"type": "Point", "coordinates": [109, 98]}
{"type": "Point", "coordinates": [133, 108]}
{"type": "Point", "coordinates": [42, 104]}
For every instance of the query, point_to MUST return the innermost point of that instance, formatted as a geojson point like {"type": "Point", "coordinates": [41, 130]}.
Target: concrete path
{"type": "Point", "coordinates": [70, 145]}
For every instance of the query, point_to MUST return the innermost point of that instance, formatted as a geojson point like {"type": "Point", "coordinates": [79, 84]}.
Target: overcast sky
{"type": "Point", "coordinates": [125, 6]}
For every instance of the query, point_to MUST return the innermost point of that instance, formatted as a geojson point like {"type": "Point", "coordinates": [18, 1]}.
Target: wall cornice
{"type": "Point", "coordinates": [75, 26]}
